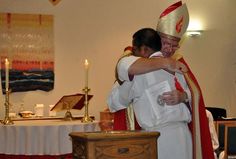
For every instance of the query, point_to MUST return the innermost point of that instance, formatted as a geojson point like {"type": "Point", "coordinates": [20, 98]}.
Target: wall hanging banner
{"type": "Point", "coordinates": [26, 40]}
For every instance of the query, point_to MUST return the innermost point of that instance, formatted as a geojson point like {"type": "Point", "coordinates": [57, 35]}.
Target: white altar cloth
{"type": "Point", "coordinates": [41, 137]}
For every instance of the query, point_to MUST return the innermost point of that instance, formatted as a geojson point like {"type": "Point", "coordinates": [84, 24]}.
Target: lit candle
{"type": "Point", "coordinates": [86, 65]}
{"type": "Point", "coordinates": [6, 74]}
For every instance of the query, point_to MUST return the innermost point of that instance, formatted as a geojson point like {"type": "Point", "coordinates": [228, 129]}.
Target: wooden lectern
{"type": "Point", "coordinates": [68, 102]}
{"type": "Point", "coordinates": [74, 101]}
{"type": "Point", "coordinates": [115, 145]}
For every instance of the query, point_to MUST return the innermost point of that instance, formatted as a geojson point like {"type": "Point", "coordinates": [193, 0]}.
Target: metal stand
{"type": "Point", "coordinates": [86, 118]}
{"type": "Point", "coordinates": [68, 116]}
{"type": "Point", "coordinates": [7, 120]}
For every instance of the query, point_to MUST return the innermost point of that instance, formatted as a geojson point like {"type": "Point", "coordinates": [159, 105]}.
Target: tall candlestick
{"type": "Point", "coordinates": [7, 120]}
{"type": "Point", "coordinates": [6, 74]}
{"type": "Point", "coordinates": [86, 65]}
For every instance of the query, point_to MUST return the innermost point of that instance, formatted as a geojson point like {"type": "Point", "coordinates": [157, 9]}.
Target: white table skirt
{"type": "Point", "coordinates": [41, 137]}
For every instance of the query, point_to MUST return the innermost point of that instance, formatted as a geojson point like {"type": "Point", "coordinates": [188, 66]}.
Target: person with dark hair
{"type": "Point", "coordinates": [152, 110]}
{"type": "Point", "coordinates": [146, 41]}
{"type": "Point", "coordinates": [124, 119]}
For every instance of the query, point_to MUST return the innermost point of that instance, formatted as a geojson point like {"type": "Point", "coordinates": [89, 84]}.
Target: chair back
{"type": "Point", "coordinates": [217, 113]}
{"type": "Point", "coordinates": [230, 139]}
{"type": "Point", "coordinates": [221, 135]}
{"type": "Point", "coordinates": [220, 129]}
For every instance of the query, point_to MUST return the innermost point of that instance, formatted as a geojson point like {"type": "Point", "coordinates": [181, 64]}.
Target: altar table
{"type": "Point", "coordinates": [41, 137]}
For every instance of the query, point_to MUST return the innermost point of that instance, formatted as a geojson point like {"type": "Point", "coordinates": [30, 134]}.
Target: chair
{"type": "Point", "coordinates": [217, 113]}
{"type": "Point", "coordinates": [220, 129]}
{"type": "Point", "coordinates": [230, 141]}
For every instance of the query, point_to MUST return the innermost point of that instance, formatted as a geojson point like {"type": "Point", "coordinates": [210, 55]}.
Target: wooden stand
{"type": "Point", "coordinates": [114, 145]}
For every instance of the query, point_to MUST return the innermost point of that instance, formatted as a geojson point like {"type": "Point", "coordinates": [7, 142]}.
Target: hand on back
{"type": "Point", "coordinates": [176, 66]}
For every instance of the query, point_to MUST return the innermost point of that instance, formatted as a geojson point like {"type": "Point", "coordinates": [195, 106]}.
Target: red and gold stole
{"type": "Point", "coordinates": [202, 145]}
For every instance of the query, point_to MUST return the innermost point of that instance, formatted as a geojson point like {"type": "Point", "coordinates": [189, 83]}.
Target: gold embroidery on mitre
{"type": "Point", "coordinates": [179, 25]}
{"type": "Point", "coordinates": [175, 23]}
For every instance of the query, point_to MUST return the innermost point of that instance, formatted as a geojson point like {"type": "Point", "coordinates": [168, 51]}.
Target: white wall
{"type": "Point", "coordinates": [99, 31]}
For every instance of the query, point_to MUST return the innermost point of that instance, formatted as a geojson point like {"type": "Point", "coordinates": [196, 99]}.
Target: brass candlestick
{"type": "Point", "coordinates": [7, 120]}
{"type": "Point", "coordinates": [86, 118]}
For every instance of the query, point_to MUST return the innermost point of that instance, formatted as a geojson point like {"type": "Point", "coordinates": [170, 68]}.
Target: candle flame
{"type": "Point", "coordinates": [86, 63]}
{"type": "Point", "coordinates": [6, 60]}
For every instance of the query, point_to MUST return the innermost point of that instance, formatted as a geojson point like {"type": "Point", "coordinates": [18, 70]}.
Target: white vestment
{"type": "Point", "coordinates": [214, 137]}
{"type": "Point", "coordinates": [171, 121]}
